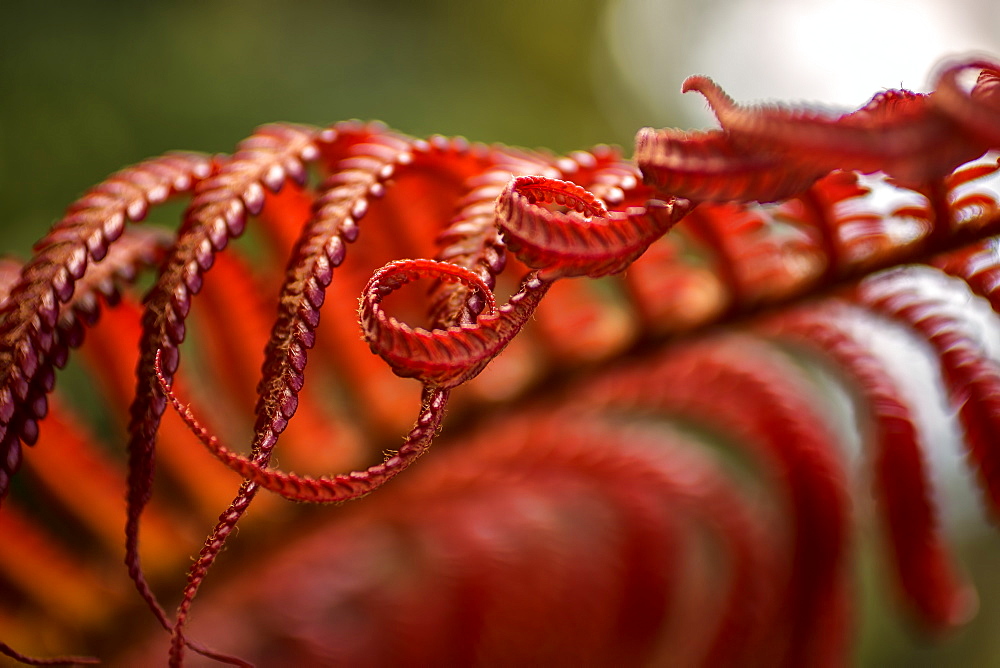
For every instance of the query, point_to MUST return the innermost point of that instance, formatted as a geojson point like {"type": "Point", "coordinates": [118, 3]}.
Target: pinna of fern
{"type": "Point", "coordinates": [592, 515]}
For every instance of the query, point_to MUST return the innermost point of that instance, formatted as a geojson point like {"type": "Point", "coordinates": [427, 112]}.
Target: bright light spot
{"type": "Point", "coordinates": [835, 54]}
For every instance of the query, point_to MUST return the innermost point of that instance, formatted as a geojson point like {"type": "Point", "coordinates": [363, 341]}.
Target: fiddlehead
{"type": "Point", "coordinates": [440, 359]}
{"type": "Point", "coordinates": [560, 244]}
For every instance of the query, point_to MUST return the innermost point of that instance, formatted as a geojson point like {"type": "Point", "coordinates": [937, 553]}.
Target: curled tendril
{"type": "Point", "coordinates": [442, 358]}
{"type": "Point", "coordinates": [586, 240]}
{"type": "Point", "coordinates": [7, 650]}
{"type": "Point", "coordinates": [327, 489]}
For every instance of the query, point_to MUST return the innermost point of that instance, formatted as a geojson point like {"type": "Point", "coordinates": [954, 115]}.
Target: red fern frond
{"type": "Point", "coordinates": [922, 561]}
{"type": "Point", "coordinates": [217, 212]}
{"type": "Point", "coordinates": [668, 501]}
{"type": "Point", "coordinates": [563, 245]}
{"type": "Point", "coordinates": [711, 166]}
{"type": "Point", "coordinates": [979, 266]}
{"type": "Point", "coordinates": [971, 377]}
{"type": "Point", "coordinates": [91, 225]}
{"type": "Point", "coordinates": [38, 352]}
{"type": "Point", "coordinates": [303, 488]}
{"type": "Point", "coordinates": [898, 132]}
{"type": "Point", "coordinates": [737, 386]}
{"type": "Point", "coordinates": [977, 110]}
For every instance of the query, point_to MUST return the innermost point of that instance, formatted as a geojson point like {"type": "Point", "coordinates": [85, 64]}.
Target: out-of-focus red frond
{"type": "Point", "coordinates": [979, 266]}
{"type": "Point", "coordinates": [739, 387]}
{"type": "Point", "coordinates": [902, 487]}
{"type": "Point", "coordinates": [456, 591]}
{"type": "Point", "coordinates": [978, 110]}
{"type": "Point", "coordinates": [971, 377]}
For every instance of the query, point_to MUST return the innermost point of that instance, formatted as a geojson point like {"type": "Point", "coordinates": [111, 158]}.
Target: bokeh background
{"type": "Point", "coordinates": [89, 87]}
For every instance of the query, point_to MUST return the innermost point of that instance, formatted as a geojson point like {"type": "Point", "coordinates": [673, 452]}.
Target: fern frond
{"type": "Point", "coordinates": [971, 377]}
{"type": "Point", "coordinates": [91, 226]}
{"type": "Point", "coordinates": [711, 166]}
{"type": "Point", "coordinates": [42, 346]}
{"type": "Point", "coordinates": [900, 133]}
{"type": "Point", "coordinates": [639, 487]}
{"type": "Point", "coordinates": [923, 564]}
{"type": "Point", "coordinates": [217, 212]}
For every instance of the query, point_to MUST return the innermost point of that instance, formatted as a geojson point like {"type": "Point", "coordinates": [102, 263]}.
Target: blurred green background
{"type": "Point", "coordinates": [87, 88]}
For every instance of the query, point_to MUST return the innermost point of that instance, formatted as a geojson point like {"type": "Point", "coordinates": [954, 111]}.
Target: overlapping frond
{"type": "Point", "coordinates": [31, 312]}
